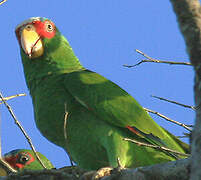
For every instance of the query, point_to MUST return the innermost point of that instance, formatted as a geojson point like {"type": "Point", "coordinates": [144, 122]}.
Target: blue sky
{"type": "Point", "coordinates": [104, 35]}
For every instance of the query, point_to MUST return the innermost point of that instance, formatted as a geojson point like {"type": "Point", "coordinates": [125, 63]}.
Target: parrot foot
{"type": "Point", "coordinates": [97, 175]}
{"type": "Point", "coordinates": [106, 171]}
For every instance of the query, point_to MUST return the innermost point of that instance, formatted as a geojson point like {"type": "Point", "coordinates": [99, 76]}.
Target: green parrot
{"type": "Point", "coordinates": [83, 112]}
{"type": "Point", "coordinates": [21, 159]}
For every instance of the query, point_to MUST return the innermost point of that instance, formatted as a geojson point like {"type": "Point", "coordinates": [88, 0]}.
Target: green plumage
{"type": "Point", "coordinates": [98, 112]}
{"type": "Point", "coordinates": [21, 159]}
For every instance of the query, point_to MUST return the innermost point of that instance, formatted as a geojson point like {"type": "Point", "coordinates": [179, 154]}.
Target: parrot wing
{"type": "Point", "coordinates": [112, 104]}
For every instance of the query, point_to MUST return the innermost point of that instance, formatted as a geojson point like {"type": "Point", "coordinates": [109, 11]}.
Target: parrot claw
{"type": "Point", "coordinates": [106, 171]}
{"type": "Point", "coordinates": [97, 175]}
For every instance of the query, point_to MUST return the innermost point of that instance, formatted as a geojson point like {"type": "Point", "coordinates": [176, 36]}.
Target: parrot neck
{"type": "Point", "coordinates": [58, 58]}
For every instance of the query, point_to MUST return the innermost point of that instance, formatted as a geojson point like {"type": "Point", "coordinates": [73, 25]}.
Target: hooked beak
{"type": "Point", "coordinates": [31, 42]}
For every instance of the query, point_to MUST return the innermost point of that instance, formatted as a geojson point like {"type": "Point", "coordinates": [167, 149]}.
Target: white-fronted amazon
{"type": "Point", "coordinates": [21, 159]}
{"type": "Point", "coordinates": [94, 113]}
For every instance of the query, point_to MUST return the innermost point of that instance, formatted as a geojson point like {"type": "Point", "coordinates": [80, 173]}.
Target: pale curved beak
{"type": "Point", "coordinates": [31, 42]}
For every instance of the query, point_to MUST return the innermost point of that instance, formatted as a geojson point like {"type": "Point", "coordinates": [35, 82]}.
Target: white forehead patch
{"type": "Point", "coordinates": [29, 21]}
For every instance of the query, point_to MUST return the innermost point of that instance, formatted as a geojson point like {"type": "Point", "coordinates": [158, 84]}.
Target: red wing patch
{"type": "Point", "coordinates": [132, 129]}
{"type": "Point", "coordinates": [150, 137]}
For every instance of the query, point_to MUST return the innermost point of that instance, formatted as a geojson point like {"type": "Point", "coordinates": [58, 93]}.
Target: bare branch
{"type": "Point", "coordinates": [11, 97]}
{"type": "Point", "coordinates": [174, 102]}
{"type": "Point", "coordinates": [185, 135]}
{"type": "Point", "coordinates": [168, 119]}
{"type": "Point", "coordinates": [22, 129]}
{"type": "Point", "coordinates": [162, 148]}
{"type": "Point", "coordinates": [65, 123]}
{"type": "Point", "coordinates": [182, 136]}
{"type": "Point", "coordinates": [189, 125]}
{"type": "Point", "coordinates": [65, 133]}
{"type": "Point", "coordinates": [174, 170]}
{"type": "Point", "coordinates": [3, 1]}
{"type": "Point", "coordinates": [149, 59]}
{"type": "Point", "coordinates": [8, 169]}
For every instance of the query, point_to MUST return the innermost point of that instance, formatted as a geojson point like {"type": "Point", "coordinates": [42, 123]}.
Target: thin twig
{"type": "Point", "coordinates": [3, 1]}
{"type": "Point", "coordinates": [11, 97]}
{"type": "Point", "coordinates": [174, 102]}
{"type": "Point", "coordinates": [185, 135]}
{"type": "Point", "coordinates": [22, 129]}
{"type": "Point", "coordinates": [156, 147]}
{"type": "Point", "coordinates": [65, 132]}
{"type": "Point", "coordinates": [7, 166]}
{"type": "Point", "coordinates": [168, 119]}
{"type": "Point", "coordinates": [182, 136]}
{"type": "Point", "coordinates": [189, 125]}
{"type": "Point", "coordinates": [149, 59]}
{"type": "Point", "coordinates": [65, 122]}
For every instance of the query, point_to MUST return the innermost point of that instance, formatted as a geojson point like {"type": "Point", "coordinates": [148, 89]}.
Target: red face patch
{"type": "Point", "coordinates": [45, 29]}
{"type": "Point", "coordinates": [18, 166]}
{"type": "Point", "coordinates": [20, 160]}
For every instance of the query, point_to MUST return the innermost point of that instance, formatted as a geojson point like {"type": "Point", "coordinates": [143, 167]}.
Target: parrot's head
{"type": "Point", "coordinates": [18, 159]}
{"type": "Point", "coordinates": [31, 34]}
{"type": "Point", "coordinates": [44, 50]}
{"type": "Point", "coordinates": [21, 159]}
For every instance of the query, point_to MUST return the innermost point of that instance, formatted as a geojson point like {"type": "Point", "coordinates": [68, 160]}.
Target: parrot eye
{"type": "Point", "coordinates": [23, 158]}
{"type": "Point", "coordinates": [49, 27]}
{"type": "Point", "coordinates": [29, 27]}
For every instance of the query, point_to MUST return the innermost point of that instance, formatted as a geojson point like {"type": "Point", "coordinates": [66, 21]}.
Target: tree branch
{"type": "Point", "coordinates": [174, 102]}
{"type": "Point", "coordinates": [156, 147]}
{"type": "Point", "coordinates": [11, 97]}
{"type": "Point", "coordinates": [174, 170]}
{"type": "Point", "coordinates": [149, 59]}
{"type": "Point", "coordinates": [168, 119]}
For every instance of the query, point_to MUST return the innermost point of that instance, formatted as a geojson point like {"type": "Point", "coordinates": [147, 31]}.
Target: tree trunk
{"type": "Point", "coordinates": [188, 14]}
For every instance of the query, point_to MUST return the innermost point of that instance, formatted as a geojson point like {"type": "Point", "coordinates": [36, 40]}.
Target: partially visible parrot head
{"type": "Point", "coordinates": [21, 159]}
{"type": "Point", "coordinates": [43, 47]}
